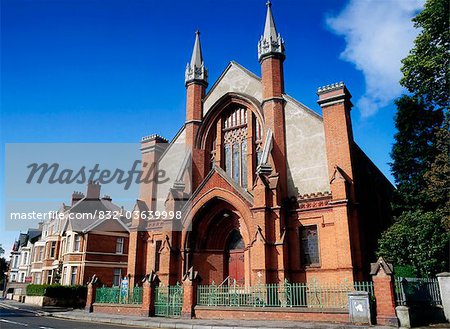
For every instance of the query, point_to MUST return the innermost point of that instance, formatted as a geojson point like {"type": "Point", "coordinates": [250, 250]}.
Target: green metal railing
{"type": "Point", "coordinates": [114, 295]}
{"type": "Point", "coordinates": [287, 294]}
{"type": "Point", "coordinates": [364, 286]}
{"type": "Point", "coordinates": [168, 300]}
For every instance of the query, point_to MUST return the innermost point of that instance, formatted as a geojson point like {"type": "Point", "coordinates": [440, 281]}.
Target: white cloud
{"type": "Point", "coordinates": [378, 35]}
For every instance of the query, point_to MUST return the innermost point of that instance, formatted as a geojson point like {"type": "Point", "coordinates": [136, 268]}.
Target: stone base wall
{"type": "Point", "coordinates": [268, 313]}
{"type": "Point", "coordinates": [35, 300]}
{"type": "Point", "coordinates": [48, 301]}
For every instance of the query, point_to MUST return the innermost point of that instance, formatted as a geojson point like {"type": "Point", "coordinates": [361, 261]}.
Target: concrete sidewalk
{"type": "Point", "coordinates": [157, 322]}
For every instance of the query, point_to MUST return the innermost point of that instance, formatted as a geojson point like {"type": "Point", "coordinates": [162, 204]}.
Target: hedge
{"type": "Point", "coordinates": [56, 291]}
{"type": "Point", "coordinates": [36, 289]}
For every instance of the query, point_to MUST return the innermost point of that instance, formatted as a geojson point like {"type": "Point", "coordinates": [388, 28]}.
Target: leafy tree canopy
{"type": "Point", "coordinates": [417, 240]}
{"type": "Point", "coordinates": [413, 151]}
{"type": "Point", "coordinates": [426, 70]}
{"type": "Point", "coordinates": [438, 176]}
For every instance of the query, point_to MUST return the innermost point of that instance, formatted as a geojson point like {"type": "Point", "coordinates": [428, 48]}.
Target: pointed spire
{"type": "Point", "coordinates": [197, 58]}
{"type": "Point", "coordinates": [271, 41]}
{"type": "Point", "coordinates": [270, 31]}
{"type": "Point", "coordinates": [195, 70]}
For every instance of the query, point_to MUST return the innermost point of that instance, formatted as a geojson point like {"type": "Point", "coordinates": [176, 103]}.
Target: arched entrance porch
{"type": "Point", "coordinates": [216, 246]}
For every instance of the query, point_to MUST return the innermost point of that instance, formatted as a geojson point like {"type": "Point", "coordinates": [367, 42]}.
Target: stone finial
{"type": "Point", "coordinates": [196, 70]}
{"type": "Point", "coordinates": [94, 280]}
{"type": "Point", "coordinates": [270, 42]}
{"type": "Point", "coordinates": [151, 278]}
{"type": "Point", "coordinates": [381, 264]}
{"type": "Point", "coordinates": [191, 275]}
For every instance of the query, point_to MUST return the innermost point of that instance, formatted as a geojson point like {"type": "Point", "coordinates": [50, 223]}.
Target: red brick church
{"type": "Point", "coordinates": [276, 191]}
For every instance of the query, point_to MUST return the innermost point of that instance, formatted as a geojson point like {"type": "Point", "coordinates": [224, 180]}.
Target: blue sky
{"type": "Point", "coordinates": [112, 71]}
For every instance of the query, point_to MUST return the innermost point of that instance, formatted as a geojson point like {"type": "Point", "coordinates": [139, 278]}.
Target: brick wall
{"type": "Point", "coordinates": [117, 309]}
{"type": "Point", "coordinates": [272, 314]}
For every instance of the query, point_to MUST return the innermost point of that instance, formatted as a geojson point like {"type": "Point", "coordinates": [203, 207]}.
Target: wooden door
{"type": "Point", "coordinates": [236, 269]}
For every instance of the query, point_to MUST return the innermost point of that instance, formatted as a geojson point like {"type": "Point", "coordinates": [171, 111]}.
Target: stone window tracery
{"type": "Point", "coordinates": [234, 143]}
{"type": "Point", "coordinates": [235, 132]}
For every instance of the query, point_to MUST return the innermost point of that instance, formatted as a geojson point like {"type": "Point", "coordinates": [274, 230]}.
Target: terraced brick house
{"type": "Point", "coordinates": [78, 243]}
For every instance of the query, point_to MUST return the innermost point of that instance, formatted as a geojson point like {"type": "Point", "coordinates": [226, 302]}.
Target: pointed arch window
{"type": "Point", "coordinates": [235, 144]}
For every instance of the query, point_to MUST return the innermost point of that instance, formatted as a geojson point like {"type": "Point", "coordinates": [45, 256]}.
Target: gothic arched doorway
{"type": "Point", "coordinates": [235, 255]}
{"type": "Point", "coordinates": [215, 246]}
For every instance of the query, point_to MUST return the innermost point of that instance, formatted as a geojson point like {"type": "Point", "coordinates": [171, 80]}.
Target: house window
{"type": "Point", "coordinates": [41, 252]}
{"type": "Point", "coordinates": [310, 245]}
{"type": "Point", "coordinates": [77, 243]}
{"type": "Point", "coordinates": [16, 259]}
{"type": "Point", "coordinates": [49, 277]}
{"type": "Point", "coordinates": [235, 145]}
{"type": "Point", "coordinates": [63, 246]}
{"type": "Point", "coordinates": [53, 249]}
{"type": "Point", "coordinates": [73, 276]}
{"type": "Point", "coordinates": [157, 255]}
{"type": "Point", "coordinates": [64, 275]}
{"type": "Point", "coordinates": [117, 276]}
{"type": "Point", "coordinates": [37, 278]}
{"type": "Point", "coordinates": [22, 277]}
{"type": "Point", "coordinates": [119, 245]}
{"type": "Point", "coordinates": [25, 258]}
{"type": "Point", "coordinates": [68, 244]}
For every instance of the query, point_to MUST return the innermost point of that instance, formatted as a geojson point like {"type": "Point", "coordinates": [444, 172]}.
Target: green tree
{"type": "Point", "coordinates": [438, 177]}
{"type": "Point", "coordinates": [426, 72]}
{"type": "Point", "coordinates": [417, 240]}
{"type": "Point", "coordinates": [413, 151]}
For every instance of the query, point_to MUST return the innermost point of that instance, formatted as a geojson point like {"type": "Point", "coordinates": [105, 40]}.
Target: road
{"type": "Point", "coordinates": [12, 317]}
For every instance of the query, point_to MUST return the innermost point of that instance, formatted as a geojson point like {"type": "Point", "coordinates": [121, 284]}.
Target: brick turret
{"type": "Point", "coordinates": [271, 56]}
{"type": "Point", "coordinates": [196, 80]}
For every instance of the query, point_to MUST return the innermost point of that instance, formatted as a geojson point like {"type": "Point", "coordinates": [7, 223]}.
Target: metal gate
{"type": "Point", "coordinates": [168, 300]}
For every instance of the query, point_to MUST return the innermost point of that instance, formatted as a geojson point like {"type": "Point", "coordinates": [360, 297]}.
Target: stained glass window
{"type": "Point", "coordinates": [235, 145]}
{"type": "Point", "coordinates": [244, 162]}
{"type": "Point", "coordinates": [228, 158]}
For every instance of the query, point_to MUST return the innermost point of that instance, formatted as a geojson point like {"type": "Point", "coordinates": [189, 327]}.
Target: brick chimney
{"type": "Point", "coordinates": [76, 196]}
{"type": "Point", "coordinates": [151, 149]}
{"type": "Point", "coordinates": [106, 197]}
{"type": "Point", "coordinates": [336, 105]}
{"type": "Point", "coordinates": [93, 190]}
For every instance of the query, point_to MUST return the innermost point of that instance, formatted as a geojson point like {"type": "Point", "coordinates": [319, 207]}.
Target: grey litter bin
{"type": "Point", "coordinates": [359, 307]}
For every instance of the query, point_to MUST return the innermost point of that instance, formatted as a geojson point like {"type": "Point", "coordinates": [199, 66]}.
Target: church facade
{"type": "Point", "coordinates": [275, 190]}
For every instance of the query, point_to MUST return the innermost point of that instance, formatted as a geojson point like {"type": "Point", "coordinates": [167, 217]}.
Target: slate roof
{"type": "Point", "coordinates": [34, 234]}
{"type": "Point", "coordinates": [92, 207]}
